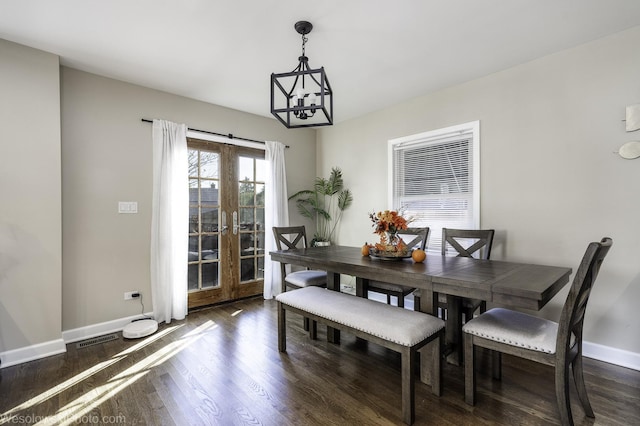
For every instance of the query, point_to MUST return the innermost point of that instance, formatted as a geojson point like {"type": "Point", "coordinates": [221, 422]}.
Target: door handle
{"type": "Point", "coordinates": [224, 228]}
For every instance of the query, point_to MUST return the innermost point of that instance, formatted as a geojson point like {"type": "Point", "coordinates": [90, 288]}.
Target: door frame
{"type": "Point", "coordinates": [229, 286]}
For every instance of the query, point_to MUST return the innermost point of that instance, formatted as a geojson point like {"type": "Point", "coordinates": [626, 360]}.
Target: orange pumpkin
{"type": "Point", "coordinates": [418, 255]}
{"type": "Point", "coordinates": [365, 249]}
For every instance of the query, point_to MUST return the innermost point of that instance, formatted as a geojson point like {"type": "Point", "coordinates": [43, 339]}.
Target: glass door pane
{"type": "Point", "coordinates": [251, 217]}
{"type": "Point", "coordinates": [204, 213]}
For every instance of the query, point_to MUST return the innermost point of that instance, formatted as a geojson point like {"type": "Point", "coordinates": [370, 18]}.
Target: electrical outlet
{"type": "Point", "coordinates": [128, 295]}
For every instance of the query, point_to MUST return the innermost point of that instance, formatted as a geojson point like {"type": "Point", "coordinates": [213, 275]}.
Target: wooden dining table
{"type": "Point", "coordinates": [503, 283]}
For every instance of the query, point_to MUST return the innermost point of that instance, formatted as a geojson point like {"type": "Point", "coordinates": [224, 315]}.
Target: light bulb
{"type": "Point", "coordinates": [312, 98]}
{"type": "Point", "coordinates": [300, 92]}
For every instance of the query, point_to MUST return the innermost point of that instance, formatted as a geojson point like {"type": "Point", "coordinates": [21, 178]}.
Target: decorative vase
{"type": "Point", "coordinates": [391, 246]}
{"type": "Point", "coordinates": [392, 238]}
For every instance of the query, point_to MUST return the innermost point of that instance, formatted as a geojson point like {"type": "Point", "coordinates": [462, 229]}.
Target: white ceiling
{"type": "Point", "coordinates": [375, 52]}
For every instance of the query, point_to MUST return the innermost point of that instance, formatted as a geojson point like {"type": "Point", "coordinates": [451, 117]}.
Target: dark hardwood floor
{"type": "Point", "coordinates": [221, 366]}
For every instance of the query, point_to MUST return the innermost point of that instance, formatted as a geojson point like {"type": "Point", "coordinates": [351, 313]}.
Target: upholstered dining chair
{"type": "Point", "coordinates": [547, 342]}
{"type": "Point", "coordinates": [291, 237]}
{"type": "Point", "coordinates": [466, 243]}
{"type": "Point", "coordinates": [416, 238]}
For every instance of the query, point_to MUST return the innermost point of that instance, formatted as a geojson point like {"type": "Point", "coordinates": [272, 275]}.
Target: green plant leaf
{"type": "Point", "coordinates": [345, 198]}
{"type": "Point", "coordinates": [324, 203]}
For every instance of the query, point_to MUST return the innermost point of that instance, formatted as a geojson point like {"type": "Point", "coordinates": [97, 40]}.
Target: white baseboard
{"type": "Point", "coordinates": [55, 347]}
{"type": "Point", "coordinates": [611, 355]}
{"type": "Point", "coordinates": [31, 353]}
{"type": "Point", "coordinates": [94, 330]}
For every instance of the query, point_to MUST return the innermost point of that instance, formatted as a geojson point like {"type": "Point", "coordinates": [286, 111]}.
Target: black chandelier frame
{"type": "Point", "coordinates": [287, 107]}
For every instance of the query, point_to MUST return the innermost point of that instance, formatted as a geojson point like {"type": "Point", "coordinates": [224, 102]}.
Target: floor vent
{"type": "Point", "coordinates": [97, 340]}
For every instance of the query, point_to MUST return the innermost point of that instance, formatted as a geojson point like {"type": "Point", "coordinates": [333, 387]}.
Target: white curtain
{"type": "Point", "coordinates": [276, 213]}
{"type": "Point", "coordinates": [169, 221]}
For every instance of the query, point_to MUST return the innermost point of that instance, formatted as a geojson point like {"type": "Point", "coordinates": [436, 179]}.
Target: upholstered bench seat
{"type": "Point", "coordinates": [515, 328]}
{"type": "Point", "coordinates": [401, 326]}
{"type": "Point", "coordinates": [395, 328]}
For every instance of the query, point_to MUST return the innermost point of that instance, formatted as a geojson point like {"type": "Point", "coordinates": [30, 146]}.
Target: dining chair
{"type": "Point", "coordinates": [291, 237]}
{"type": "Point", "coordinates": [419, 239]}
{"type": "Point", "coordinates": [474, 243]}
{"type": "Point", "coordinates": [537, 339]}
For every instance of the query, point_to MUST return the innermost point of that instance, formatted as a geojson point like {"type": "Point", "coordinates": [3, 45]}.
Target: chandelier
{"type": "Point", "coordinates": [302, 97]}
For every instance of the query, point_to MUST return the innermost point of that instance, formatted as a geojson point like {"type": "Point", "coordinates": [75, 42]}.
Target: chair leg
{"type": "Point", "coordinates": [388, 299]}
{"type": "Point", "coordinates": [562, 393]}
{"type": "Point", "coordinates": [437, 347]}
{"type": "Point", "coordinates": [282, 339]}
{"type": "Point", "coordinates": [578, 376]}
{"type": "Point", "coordinates": [469, 370]}
{"type": "Point", "coordinates": [496, 365]}
{"type": "Point", "coordinates": [416, 303]}
{"type": "Point", "coordinates": [311, 327]}
{"type": "Point", "coordinates": [313, 330]}
{"type": "Point", "coordinates": [400, 300]}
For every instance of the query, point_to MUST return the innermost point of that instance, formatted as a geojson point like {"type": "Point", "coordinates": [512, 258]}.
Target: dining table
{"type": "Point", "coordinates": [498, 282]}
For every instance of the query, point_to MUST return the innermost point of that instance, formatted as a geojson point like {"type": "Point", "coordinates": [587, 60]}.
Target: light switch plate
{"type": "Point", "coordinates": [127, 207]}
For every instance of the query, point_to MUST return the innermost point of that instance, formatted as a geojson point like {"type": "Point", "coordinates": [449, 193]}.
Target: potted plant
{"type": "Point", "coordinates": [325, 204]}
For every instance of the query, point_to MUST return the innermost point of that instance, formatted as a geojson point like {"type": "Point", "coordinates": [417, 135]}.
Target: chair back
{"type": "Point", "coordinates": [290, 237]}
{"type": "Point", "coordinates": [482, 239]}
{"type": "Point", "coordinates": [420, 237]}
{"type": "Point", "coordinates": [569, 340]}
{"type": "Point", "coordinates": [287, 238]}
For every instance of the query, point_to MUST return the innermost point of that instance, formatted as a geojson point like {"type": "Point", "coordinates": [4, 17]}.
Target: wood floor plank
{"type": "Point", "coordinates": [221, 366]}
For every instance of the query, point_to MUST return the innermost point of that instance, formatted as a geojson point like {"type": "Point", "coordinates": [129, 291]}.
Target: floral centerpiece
{"type": "Point", "coordinates": [387, 225]}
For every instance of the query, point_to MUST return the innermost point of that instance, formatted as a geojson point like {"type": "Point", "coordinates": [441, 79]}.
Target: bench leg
{"type": "Point", "coordinates": [408, 385]}
{"type": "Point", "coordinates": [282, 331]}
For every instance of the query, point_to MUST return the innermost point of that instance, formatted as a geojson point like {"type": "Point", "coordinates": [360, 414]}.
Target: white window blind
{"type": "Point", "coordinates": [435, 179]}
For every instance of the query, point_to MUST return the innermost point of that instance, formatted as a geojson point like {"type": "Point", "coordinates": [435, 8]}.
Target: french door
{"type": "Point", "coordinates": [226, 222]}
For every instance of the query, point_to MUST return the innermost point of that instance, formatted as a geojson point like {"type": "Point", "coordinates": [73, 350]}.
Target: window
{"type": "Point", "coordinates": [435, 178]}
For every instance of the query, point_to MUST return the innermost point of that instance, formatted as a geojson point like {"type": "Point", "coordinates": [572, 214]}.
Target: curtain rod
{"type": "Point", "coordinates": [229, 135]}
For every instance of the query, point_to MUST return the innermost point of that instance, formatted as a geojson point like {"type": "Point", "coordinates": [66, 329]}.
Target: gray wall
{"type": "Point", "coordinates": [30, 215]}
{"type": "Point", "coordinates": [106, 158]}
{"type": "Point", "coordinates": [551, 182]}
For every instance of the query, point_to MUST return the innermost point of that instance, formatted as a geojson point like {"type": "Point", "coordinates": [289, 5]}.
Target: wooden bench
{"type": "Point", "coordinates": [398, 329]}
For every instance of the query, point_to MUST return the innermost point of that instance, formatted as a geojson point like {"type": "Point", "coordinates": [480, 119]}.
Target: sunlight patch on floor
{"type": "Point", "coordinates": [79, 407]}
